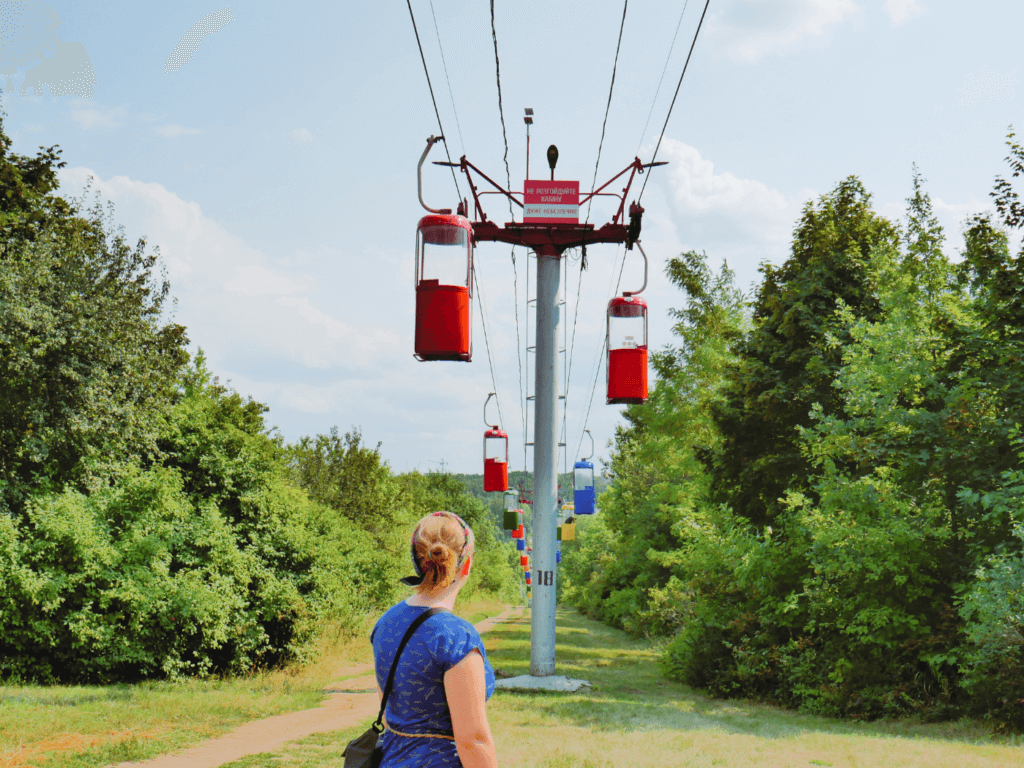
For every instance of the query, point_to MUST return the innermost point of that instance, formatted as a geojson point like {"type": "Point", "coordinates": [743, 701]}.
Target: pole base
{"type": "Point", "coordinates": [549, 683]}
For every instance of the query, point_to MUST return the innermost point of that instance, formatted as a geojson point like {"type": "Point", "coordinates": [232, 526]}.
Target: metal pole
{"type": "Point", "coordinates": [545, 465]}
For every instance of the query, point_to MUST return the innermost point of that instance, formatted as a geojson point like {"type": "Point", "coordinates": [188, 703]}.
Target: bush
{"type": "Point", "coordinates": [134, 581]}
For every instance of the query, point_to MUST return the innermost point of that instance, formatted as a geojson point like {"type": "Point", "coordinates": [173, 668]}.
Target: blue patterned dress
{"type": "Point", "coordinates": [417, 702]}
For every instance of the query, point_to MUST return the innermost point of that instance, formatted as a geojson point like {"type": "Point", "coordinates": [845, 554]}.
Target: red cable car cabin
{"type": "Point", "coordinates": [627, 350]}
{"type": "Point", "coordinates": [495, 460]}
{"type": "Point", "coordinates": [444, 251]}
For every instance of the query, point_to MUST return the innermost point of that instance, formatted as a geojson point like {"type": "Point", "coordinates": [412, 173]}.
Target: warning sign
{"type": "Point", "coordinates": [551, 202]}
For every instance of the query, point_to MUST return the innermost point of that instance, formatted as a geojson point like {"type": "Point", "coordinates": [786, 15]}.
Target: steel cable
{"type": "Point", "coordinates": [450, 94]}
{"type": "Point", "coordinates": [431, 87]}
{"type": "Point", "coordinates": [678, 86]}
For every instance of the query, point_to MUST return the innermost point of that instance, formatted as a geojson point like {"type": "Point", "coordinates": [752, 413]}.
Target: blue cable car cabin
{"type": "Point", "coordinates": [583, 494]}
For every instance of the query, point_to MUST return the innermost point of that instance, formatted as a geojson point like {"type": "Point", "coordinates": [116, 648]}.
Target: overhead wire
{"type": "Point", "coordinates": [590, 202]}
{"type": "Point", "coordinates": [444, 64]}
{"type": "Point", "coordinates": [431, 87]}
{"type": "Point", "coordinates": [653, 158]}
{"type": "Point", "coordinates": [608, 106]}
{"type": "Point", "coordinates": [487, 345]}
{"type": "Point", "coordinates": [678, 86]}
{"type": "Point", "coordinates": [662, 78]}
{"type": "Point", "coordinates": [501, 111]}
{"type": "Point", "coordinates": [515, 270]}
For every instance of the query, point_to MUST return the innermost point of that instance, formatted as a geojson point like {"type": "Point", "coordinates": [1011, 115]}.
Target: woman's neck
{"type": "Point", "coordinates": [444, 598]}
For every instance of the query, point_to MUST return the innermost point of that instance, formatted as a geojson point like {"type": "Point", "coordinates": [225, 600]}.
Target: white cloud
{"type": "Point", "coordinates": [233, 298]}
{"type": "Point", "coordinates": [751, 29]}
{"type": "Point", "coordinates": [903, 10]}
{"type": "Point", "coordinates": [986, 87]}
{"type": "Point", "coordinates": [173, 131]}
{"type": "Point", "coordinates": [722, 208]}
{"type": "Point", "coordinates": [300, 136]}
{"type": "Point", "coordinates": [97, 117]}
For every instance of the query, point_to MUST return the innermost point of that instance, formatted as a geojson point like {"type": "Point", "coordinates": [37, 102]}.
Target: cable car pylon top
{"type": "Point", "coordinates": [552, 237]}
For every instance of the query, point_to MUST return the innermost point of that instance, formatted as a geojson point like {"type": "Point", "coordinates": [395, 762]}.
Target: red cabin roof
{"type": "Point", "coordinates": [451, 220]}
{"type": "Point", "coordinates": [622, 306]}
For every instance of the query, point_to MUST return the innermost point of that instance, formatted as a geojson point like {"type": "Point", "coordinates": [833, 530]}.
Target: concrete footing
{"type": "Point", "coordinates": [547, 683]}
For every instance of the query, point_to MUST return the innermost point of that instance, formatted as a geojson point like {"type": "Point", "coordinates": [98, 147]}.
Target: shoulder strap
{"type": "Point", "coordinates": [379, 724]}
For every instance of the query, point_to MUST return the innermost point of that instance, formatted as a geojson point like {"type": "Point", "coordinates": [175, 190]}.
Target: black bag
{"type": "Point", "coordinates": [366, 751]}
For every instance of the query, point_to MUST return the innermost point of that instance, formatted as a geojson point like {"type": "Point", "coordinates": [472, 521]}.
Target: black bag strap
{"type": "Point", "coordinates": [379, 724]}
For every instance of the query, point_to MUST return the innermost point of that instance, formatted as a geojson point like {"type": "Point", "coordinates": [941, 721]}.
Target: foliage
{"type": "Point", "coordinates": [85, 363]}
{"type": "Point", "coordinates": [834, 522]}
{"type": "Point", "coordinates": [787, 363]}
{"type": "Point", "coordinates": [347, 477]}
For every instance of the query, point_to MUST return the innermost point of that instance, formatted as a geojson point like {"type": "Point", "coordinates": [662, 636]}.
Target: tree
{"type": "Point", "coordinates": [789, 361]}
{"type": "Point", "coordinates": [87, 362]}
{"type": "Point", "coordinates": [350, 478]}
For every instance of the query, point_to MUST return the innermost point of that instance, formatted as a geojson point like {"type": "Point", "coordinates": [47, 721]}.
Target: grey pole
{"type": "Point", "coordinates": [545, 465]}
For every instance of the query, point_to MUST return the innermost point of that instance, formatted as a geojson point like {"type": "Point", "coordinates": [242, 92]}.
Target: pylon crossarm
{"type": "Point", "coordinates": [636, 167]}
{"type": "Point", "coordinates": [465, 166]}
{"type": "Point", "coordinates": [633, 168]}
{"type": "Point", "coordinates": [559, 236]}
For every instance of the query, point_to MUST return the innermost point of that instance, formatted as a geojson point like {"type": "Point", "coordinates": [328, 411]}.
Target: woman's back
{"type": "Point", "coordinates": [417, 704]}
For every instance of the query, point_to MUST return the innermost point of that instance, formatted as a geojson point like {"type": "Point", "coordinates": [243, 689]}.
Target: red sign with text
{"type": "Point", "coordinates": [551, 202]}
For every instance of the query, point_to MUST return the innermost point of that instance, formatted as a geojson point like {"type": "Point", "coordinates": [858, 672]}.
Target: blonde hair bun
{"type": "Point", "coordinates": [440, 542]}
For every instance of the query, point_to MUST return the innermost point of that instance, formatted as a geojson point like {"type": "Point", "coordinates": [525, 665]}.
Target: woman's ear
{"type": "Point", "coordinates": [465, 566]}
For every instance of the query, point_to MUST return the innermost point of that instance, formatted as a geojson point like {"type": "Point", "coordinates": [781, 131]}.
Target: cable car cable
{"type": "Point", "coordinates": [431, 87]}
{"type": "Point", "coordinates": [662, 79]}
{"type": "Point", "coordinates": [590, 203]}
{"type": "Point", "coordinates": [515, 271]}
{"type": "Point", "coordinates": [608, 106]}
{"type": "Point", "coordinates": [450, 94]}
{"type": "Point", "coordinates": [487, 346]}
{"type": "Point", "coordinates": [596, 371]}
{"type": "Point", "coordinates": [572, 344]}
{"type": "Point", "coordinates": [672, 105]}
{"type": "Point", "coordinates": [501, 112]}
{"type": "Point", "coordinates": [657, 147]}
{"type": "Point", "coordinates": [593, 389]}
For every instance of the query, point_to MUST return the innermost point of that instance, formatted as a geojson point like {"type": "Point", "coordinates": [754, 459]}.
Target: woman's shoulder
{"type": "Point", "coordinates": [454, 637]}
{"type": "Point", "coordinates": [398, 616]}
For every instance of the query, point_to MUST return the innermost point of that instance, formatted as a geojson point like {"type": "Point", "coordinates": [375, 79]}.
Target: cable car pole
{"type": "Point", "coordinates": [548, 238]}
{"type": "Point", "coordinates": [545, 464]}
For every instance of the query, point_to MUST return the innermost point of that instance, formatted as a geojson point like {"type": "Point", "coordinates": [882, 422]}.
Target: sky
{"type": "Point", "coordinates": [270, 154]}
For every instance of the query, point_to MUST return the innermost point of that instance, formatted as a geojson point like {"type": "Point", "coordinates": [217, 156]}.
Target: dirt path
{"type": "Point", "coordinates": [341, 709]}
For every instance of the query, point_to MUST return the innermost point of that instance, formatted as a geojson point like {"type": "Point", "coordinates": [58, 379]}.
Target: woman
{"type": "Point", "coordinates": [436, 713]}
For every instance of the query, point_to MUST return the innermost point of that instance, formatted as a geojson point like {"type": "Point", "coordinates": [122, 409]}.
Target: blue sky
{"type": "Point", "coordinates": [275, 169]}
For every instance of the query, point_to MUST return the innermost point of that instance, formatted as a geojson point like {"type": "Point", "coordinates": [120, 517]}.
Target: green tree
{"type": "Point", "coordinates": [350, 478]}
{"type": "Point", "coordinates": [86, 362]}
{"type": "Point", "coordinates": [788, 362]}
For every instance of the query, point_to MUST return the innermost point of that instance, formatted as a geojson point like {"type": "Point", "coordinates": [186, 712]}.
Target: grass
{"type": "Point", "coordinates": [70, 726]}
{"type": "Point", "coordinates": [633, 717]}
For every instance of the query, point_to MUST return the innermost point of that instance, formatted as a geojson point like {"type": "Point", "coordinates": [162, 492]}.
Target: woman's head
{"type": "Point", "coordinates": [442, 546]}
